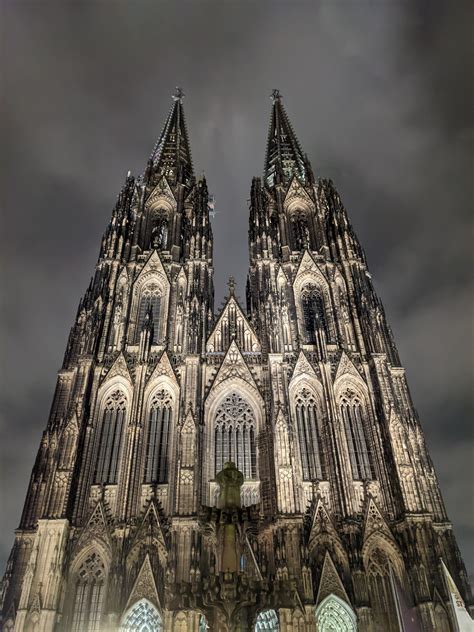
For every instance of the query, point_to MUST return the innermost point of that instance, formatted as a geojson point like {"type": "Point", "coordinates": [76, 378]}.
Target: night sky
{"type": "Point", "coordinates": [379, 93]}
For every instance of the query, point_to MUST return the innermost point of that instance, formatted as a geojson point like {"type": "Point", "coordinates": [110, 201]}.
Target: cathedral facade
{"type": "Point", "coordinates": [259, 468]}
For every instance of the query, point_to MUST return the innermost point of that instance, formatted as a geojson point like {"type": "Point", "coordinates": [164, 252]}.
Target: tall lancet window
{"type": "Point", "coordinates": [352, 413]}
{"type": "Point", "coordinates": [235, 435]}
{"type": "Point", "coordinates": [159, 425]}
{"type": "Point", "coordinates": [150, 296]}
{"type": "Point", "coordinates": [314, 313]}
{"type": "Point", "coordinates": [111, 430]}
{"type": "Point", "coordinates": [89, 595]}
{"type": "Point", "coordinates": [310, 436]}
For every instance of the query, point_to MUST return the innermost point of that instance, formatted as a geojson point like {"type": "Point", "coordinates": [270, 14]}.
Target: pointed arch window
{"type": "Point", "coordinates": [381, 590]}
{"type": "Point", "coordinates": [150, 297]}
{"type": "Point", "coordinates": [310, 436]}
{"type": "Point", "coordinates": [352, 413]}
{"type": "Point", "coordinates": [235, 435]}
{"type": "Point", "coordinates": [314, 313]}
{"type": "Point", "coordinates": [159, 424]}
{"type": "Point", "coordinates": [89, 595]}
{"type": "Point", "coordinates": [110, 438]}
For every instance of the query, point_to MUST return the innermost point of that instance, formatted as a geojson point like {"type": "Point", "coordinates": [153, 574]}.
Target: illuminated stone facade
{"type": "Point", "coordinates": [303, 390]}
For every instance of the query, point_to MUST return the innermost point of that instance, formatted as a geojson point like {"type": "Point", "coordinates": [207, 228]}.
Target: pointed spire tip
{"type": "Point", "coordinates": [178, 94]}
{"type": "Point", "coordinates": [275, 95]}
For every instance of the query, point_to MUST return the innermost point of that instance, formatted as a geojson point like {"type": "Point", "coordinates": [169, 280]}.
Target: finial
{"type": "Point", "coordinates": [231, 285]}
{"type": "Point", "coordinates": [178, 95]}
{"type": "Point", "coordinates": [275, 95]}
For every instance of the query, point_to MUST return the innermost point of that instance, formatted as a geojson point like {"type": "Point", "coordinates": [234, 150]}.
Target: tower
{"type": "Point", "coordinates": [255, 469]}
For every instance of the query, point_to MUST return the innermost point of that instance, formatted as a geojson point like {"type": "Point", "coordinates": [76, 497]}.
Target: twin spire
{"type": "Point", "coordinates": [284, 157]}
{"type": "Point", "coordinates": [171, 155]}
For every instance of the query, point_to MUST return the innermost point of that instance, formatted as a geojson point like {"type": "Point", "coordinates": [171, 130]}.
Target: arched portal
{"type": "Point", "coordinates": [335, 615]}
{"type": "Point", "coordinates": [267, 621]}
{"type": "Point", "coordinates": [142, 617]}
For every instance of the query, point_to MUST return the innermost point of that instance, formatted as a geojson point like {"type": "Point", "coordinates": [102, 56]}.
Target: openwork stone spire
{"type": "Point", "coordinates": [171, 155]}
{"type": "Point", "coordinates": [284, 157]}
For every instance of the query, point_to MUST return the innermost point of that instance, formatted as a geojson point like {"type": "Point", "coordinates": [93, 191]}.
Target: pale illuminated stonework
{"type": "Point", "coordinates": [302, 388]}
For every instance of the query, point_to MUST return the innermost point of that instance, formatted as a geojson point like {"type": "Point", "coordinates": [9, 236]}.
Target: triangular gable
{"type": "Point", "coordinates": [96, 527]}
{"type": "Point", "coordinates": [303, 366]}
{"type": "Point", "coordinates": [153, 265]}
{"type": "Point", "coordinates": [233, 366]}
{"type": "Point", "coordinates": [151, 525]}
{"type": "Point", "coordinates": [162, 190]}
{"type": "Point", "coordinates": [281, 277]}
{"type": "Point", "coordinates": [144, 586]}
{"type": "Point", "coordinates": [281, 421]}
{"type": "Point", "coordinates": [375, 522]}
{"type": "Point", "coordinates": [122, 277]}
{"type": "Point", "coordinates": [308, 264]}
{"type": "Point", "coordinates": [189, 423]}
{"type": "Point", "coordinates": [35, 604]}
{"type": "Point", "coordinates": [232, 303]}
{"type": "Point", "coordinates": [181, 276]}
{"type": "Point", "coordinates": [346, 366]}
{"type": "Point", "coordinates": [297, 190]}
{"type": "Point", "coordinates": [119, 367]}
{"type": "Point", "coordinates": [164, 367]}
{"type": "Point", "coordinates": [330, 582]}
{"type": "Point", "coordinates": [321, 525]}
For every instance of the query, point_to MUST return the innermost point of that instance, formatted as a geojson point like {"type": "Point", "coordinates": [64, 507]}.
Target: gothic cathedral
{"type": "Point", "coordinates": [260, 468]}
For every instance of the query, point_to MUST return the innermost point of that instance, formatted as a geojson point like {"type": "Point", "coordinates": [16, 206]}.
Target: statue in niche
{"type": "Point", "coordinates": [159, 233]}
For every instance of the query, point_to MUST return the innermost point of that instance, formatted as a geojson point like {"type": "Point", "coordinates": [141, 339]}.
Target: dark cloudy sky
{"type": "Point", "coordinates": [379, 94]}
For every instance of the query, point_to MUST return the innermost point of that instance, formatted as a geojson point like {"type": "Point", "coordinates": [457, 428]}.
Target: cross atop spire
{"type": "Point", "coordinates": [171, 155]}
{"type": "Point", "coordinates": [285, 157]}
{"type": "Point", "coordinates": [178, 95]}
{"type": "Point", "coordinates": [275, 95]}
